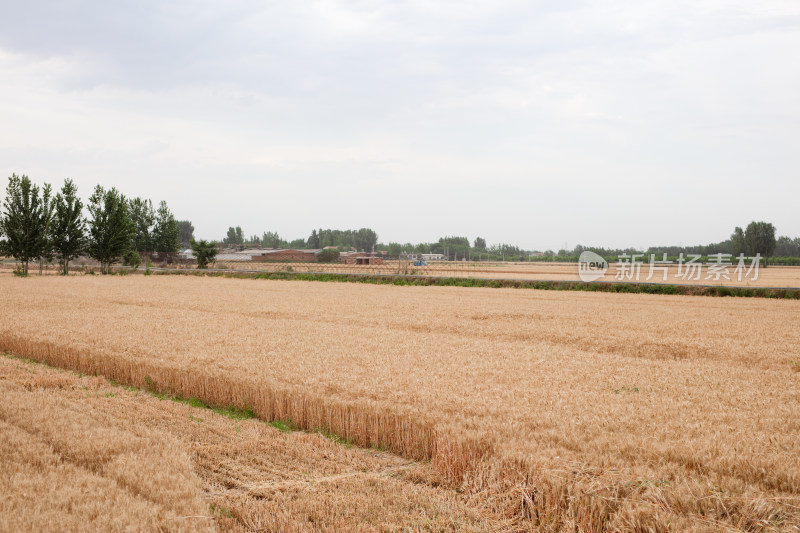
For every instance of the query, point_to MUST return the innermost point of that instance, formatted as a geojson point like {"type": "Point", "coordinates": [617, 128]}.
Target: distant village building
{"type": "Point", "coordinates": [361, 258]}
{"type": "Point", "coordinates": [278, 255]}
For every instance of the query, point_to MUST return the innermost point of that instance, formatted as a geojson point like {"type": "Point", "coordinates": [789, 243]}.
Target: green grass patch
{"type": "Point", "coordinates": [623, 389]}
{"type": "Point", "coordinates": [284, 426]}
{"type": "Point", "coordinates": [150, 388]}
{"type": "Point", "coordinates": [194, 402]}
{"type": "Point", "coordinates": [220, 511]}
{"type": "Point", "coordinates": [117, 384]}
{"type": "Point", "coordinates": [28, 360]}
{"type": "Point", "coordinates": [338, 439]}
{"type": "Point", "coordinates": [235, 413]}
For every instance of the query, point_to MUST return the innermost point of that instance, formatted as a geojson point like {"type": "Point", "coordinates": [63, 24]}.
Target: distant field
{"type": "Point", "coordinates": [545, 409]}
{"type": "Point", "coordinates": [774, 276]}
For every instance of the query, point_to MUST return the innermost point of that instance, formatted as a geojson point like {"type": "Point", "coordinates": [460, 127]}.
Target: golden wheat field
{"type": "Point", "coordinates": [542, 410]}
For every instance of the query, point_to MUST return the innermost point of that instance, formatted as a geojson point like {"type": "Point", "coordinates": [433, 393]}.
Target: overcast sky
{"type": "Point", "coordinates": [542, 124]}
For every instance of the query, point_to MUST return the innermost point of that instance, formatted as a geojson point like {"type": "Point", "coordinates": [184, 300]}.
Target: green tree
{"type": "Point", "coordinates": [110, 227]}
{"type": "Point", "coordinates": [453, 247]}
{"type": "Point", "coordinates": [395, 249]}
{"type": "Point", "coordinates": [204, 251]}
{"type": "Point", "coordinates": [25, 221]}
{"type": "Point", "coordinates": [480, 244]}
{"type": "Point", "coordinates": [364, 239]}
{"type": "Point", "coordinates": [143, 217]}
{"type": "Point", "coordinates": [328, 255]}
{"type": "Point", "coordinates": [759, 238]}
{"type": "Point", "coordinates": [271, 240]}
{"type": "Point", "coordinates": [132, 259]}
{"type": "Point", "coordinates": [69, 226]}
{"type": "Point", "coordinates": [787, 247]}
{"type": "Point", "coordinates": [44, 243]}
{"type": "Point", "coordinates": [234, 236]}
{"type": "Point", "coordinates": [166, 233]}
{"type": "Point", "coordinates": [738, 244]}
{"type": "Point", "coordinates": [186, 232]}
{"type": "Point", "coordinates": [313, 240]}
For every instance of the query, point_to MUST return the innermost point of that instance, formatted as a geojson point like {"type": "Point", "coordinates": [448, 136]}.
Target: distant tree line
{"type": "Point", "coordinates": [364, 239]}
{"type": "Point", "coordinates": [787, 247]}
{"type": "Point", "coordinates": [758, 237]}
{"type": "Point", "coordinates": [37, 226]}
{"type": "Point", "coordinates": [458, 248]}
{"type": "Point", "coordinates": [235, 237]}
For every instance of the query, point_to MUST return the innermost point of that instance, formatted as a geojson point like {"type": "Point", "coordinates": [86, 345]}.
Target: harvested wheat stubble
{"type": "Point", "coordinates": [555, 410]}
{"type": "Point", "coordinates": [61, 434]}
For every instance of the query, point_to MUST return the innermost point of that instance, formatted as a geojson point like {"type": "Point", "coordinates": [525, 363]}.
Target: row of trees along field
{"type": "Point", "coordinates": [35, 225]}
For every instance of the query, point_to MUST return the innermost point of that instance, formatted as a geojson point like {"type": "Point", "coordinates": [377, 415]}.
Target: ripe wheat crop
{"type": "Point", "coordinates": [556, 411]}
{"type": "Point", "coordinates": [78, 453]}
{"type": "Point", "coordinates": [67, 468]}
